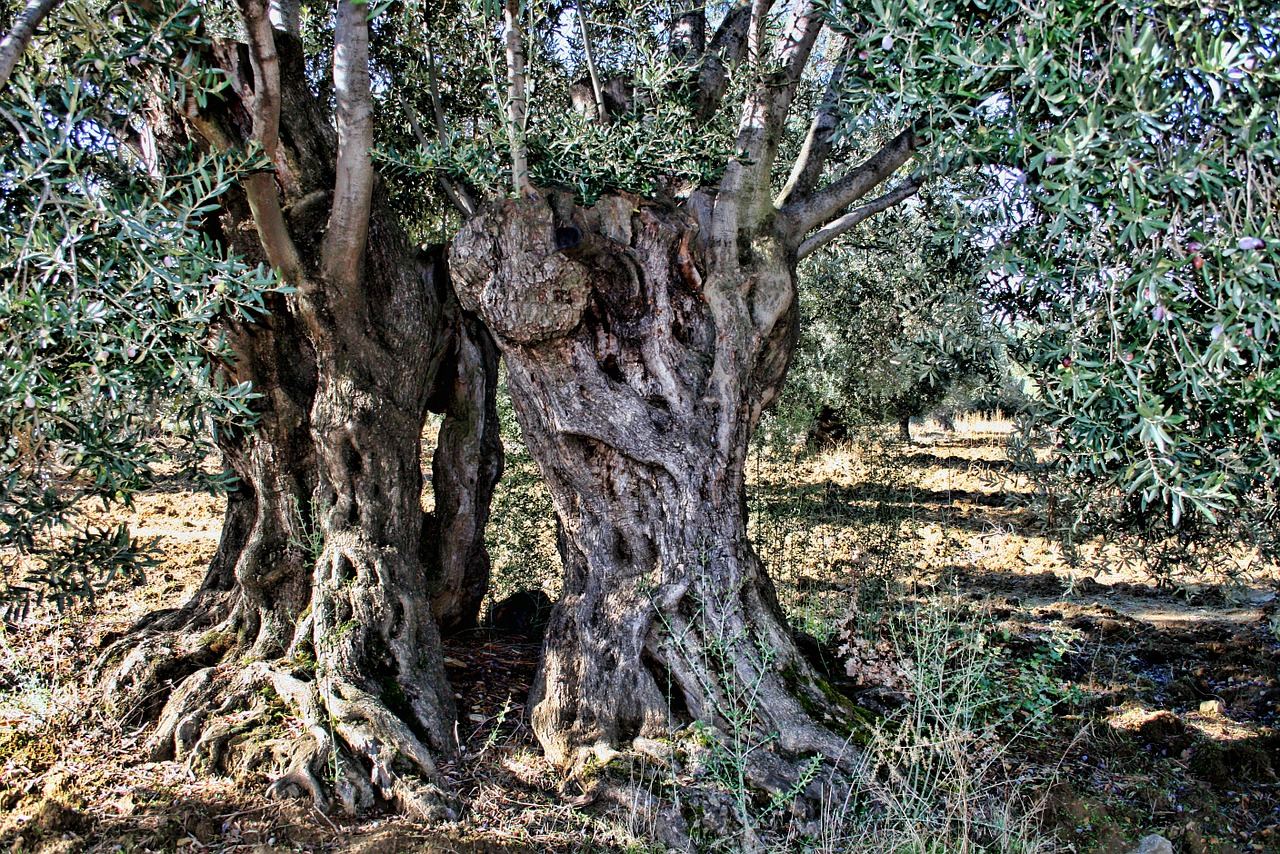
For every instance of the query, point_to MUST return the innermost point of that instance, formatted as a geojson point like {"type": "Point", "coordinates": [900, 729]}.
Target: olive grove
{"type": "Point", "coordinates": [627, 193]}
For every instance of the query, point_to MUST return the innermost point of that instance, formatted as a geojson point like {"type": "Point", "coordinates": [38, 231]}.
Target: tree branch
{"type": "Point", "coordinates": [24, 28]}
{"type": "Point", "coordinates": [596, 88]}
{"type": "Point", "coordinates": [517, 99]}
{"type": "Point", "coordinates": [456, 192]}
{"type": "Point", "coordinates": [809, 212]}
{"type": "Point", "coordinates": [689, 33]}
{"type": "Point", "coordinates": [344, 243]}
{"type": "Point", "coordinates": [437, 104]}
{"type": "Point", "coordinates": [765, 111]}
{"type": "Point", "coordinates": [808, 167]}
{"type": "Point", "coordinates": [260, 188]}
{"type": "Point", "coordinates": [265, 106]}
{"type": "Point", "coordinates": [730, 39]}
{"type": "Point", "coordinates": [286, 16]}
{"type": "Point", "coordinates": [857, 215]}
{"type": "Point", "coordinates": [755, 33]}
{"type": "Point", "coordinates": [457, 195]}
{"type": "Point", "coordinates": [727, 49]}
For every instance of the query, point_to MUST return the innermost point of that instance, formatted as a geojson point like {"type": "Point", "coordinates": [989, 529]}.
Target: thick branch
{"type": "Point", "coordinates": [755, 33]}
{"type": "Point", "coordinates": [765, 112]}
{"type": "Point", "coordinates": [689, 33]}
{"type": "Point", "coordinates": [266, 75]}
{"type": "Point", "coordinates": [24, 28]}
{"type": "Point", "coordinates": [857, 215]}
{"type": "Point", "coordinates": [260, 188]}
{"type": "Point", "coordinates": [344, 244]}
{"type": "Point", "coordinates": [286, 15]}
{"type": "Point", "coordinates": [766, 108]}
{"type": "Point", "coordinates": [807, 213]}
{"type": "Point", "coordinates": [730, 40]}
{"type": "Point", "coordinates": [727, 49]}
{"type": "Point", "coordinates": [817, 144]}
{"type": "Point", "coordinates": [517, 99]}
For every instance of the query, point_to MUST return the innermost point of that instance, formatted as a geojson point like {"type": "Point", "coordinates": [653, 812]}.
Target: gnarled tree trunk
{"type": "Point", "coordinates": [379, 672]}
{"type": "Point", "coordinates": [641, 351]}
{"type": "Point", "coordinates": [320, 596]}
{"type": "Point", "coordinates": [643, 341]}
{"type": "Point", "coordinates": [258, 581]}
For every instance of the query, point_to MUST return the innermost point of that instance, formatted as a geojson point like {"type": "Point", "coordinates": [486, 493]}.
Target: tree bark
{"type": "Point", "coordinates": [380, 672]}
{"type": "Point", "coordinates": [465, 469]}
{"type": "Point", "coordinates": [640, 355]}
{"type": "Point", "coordinates": [258, 580]}
{"type": "Point", "coordinates": [17, 39]}
{"type": "Point", "coordinates": [904, 428]}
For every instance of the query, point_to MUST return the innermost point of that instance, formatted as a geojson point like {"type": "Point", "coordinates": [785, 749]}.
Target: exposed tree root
{"type": "Point", "coordinates": [137, 671]}
{"type": "Point", "coordinates": [329, 742]}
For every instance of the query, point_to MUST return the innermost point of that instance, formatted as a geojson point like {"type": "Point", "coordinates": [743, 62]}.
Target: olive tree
{"type": "Point", "coordinates": [637, 266]}
{"type": "Point", "coordinates": [891, 322]}
{"type": "Point", "coordinates": [644, 335]}
{"type": "Point", "coordinates": [196, 192]}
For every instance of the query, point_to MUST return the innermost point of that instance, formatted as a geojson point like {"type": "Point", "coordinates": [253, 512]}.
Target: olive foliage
{"type": "Point", "coordinates": [892, 325]}
{"type": "Point", "coordinates": [113, 290]}
{"type": "Point", "coordinates": [1127, 159]}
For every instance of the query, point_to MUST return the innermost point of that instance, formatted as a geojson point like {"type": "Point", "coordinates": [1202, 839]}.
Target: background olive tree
{"type": "Point", "coordinates": [892, 325]}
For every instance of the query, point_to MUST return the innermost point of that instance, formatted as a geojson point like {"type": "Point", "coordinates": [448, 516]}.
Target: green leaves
{"type": "Point", "coordinates": [891, 324]}
{"type": "Point", "coordinates": [1131, 163]}
{"type": "Point", "coordinates": [113, 291]}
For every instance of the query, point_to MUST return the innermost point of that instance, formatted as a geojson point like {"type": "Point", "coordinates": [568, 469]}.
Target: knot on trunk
{"type": "Point", "coordinates": [510, 267]}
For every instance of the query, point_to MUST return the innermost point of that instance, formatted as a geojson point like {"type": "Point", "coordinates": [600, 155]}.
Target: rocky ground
{"type": "Point", "coordinates": [1109, 707]}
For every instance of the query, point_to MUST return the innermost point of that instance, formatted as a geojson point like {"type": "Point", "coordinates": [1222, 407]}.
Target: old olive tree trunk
{"type": "Point", "coordinates": [641, 351]}
{"type": "Point", "coordinates": [643, 340]}
{"type": "Point", "coordinates": [324, 595]}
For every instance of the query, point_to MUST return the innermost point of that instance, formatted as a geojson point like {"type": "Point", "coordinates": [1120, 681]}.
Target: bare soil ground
{"type": "Point", "coordinates": [1139, 707]}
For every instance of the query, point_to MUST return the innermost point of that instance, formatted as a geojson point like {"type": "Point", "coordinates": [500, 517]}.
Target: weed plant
{"type": "Point", "coordinates": [936, 775]}
{"type": "Point", "coordinates": [27, 693]}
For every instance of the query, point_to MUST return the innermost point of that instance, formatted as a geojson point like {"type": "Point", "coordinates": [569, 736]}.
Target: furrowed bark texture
{"type": "Point", "coordinates": [640, 355]}
{"type": "Point", "coordinates": [320, 596]}
{"type": "Point", "coordinates": [259, 578]}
